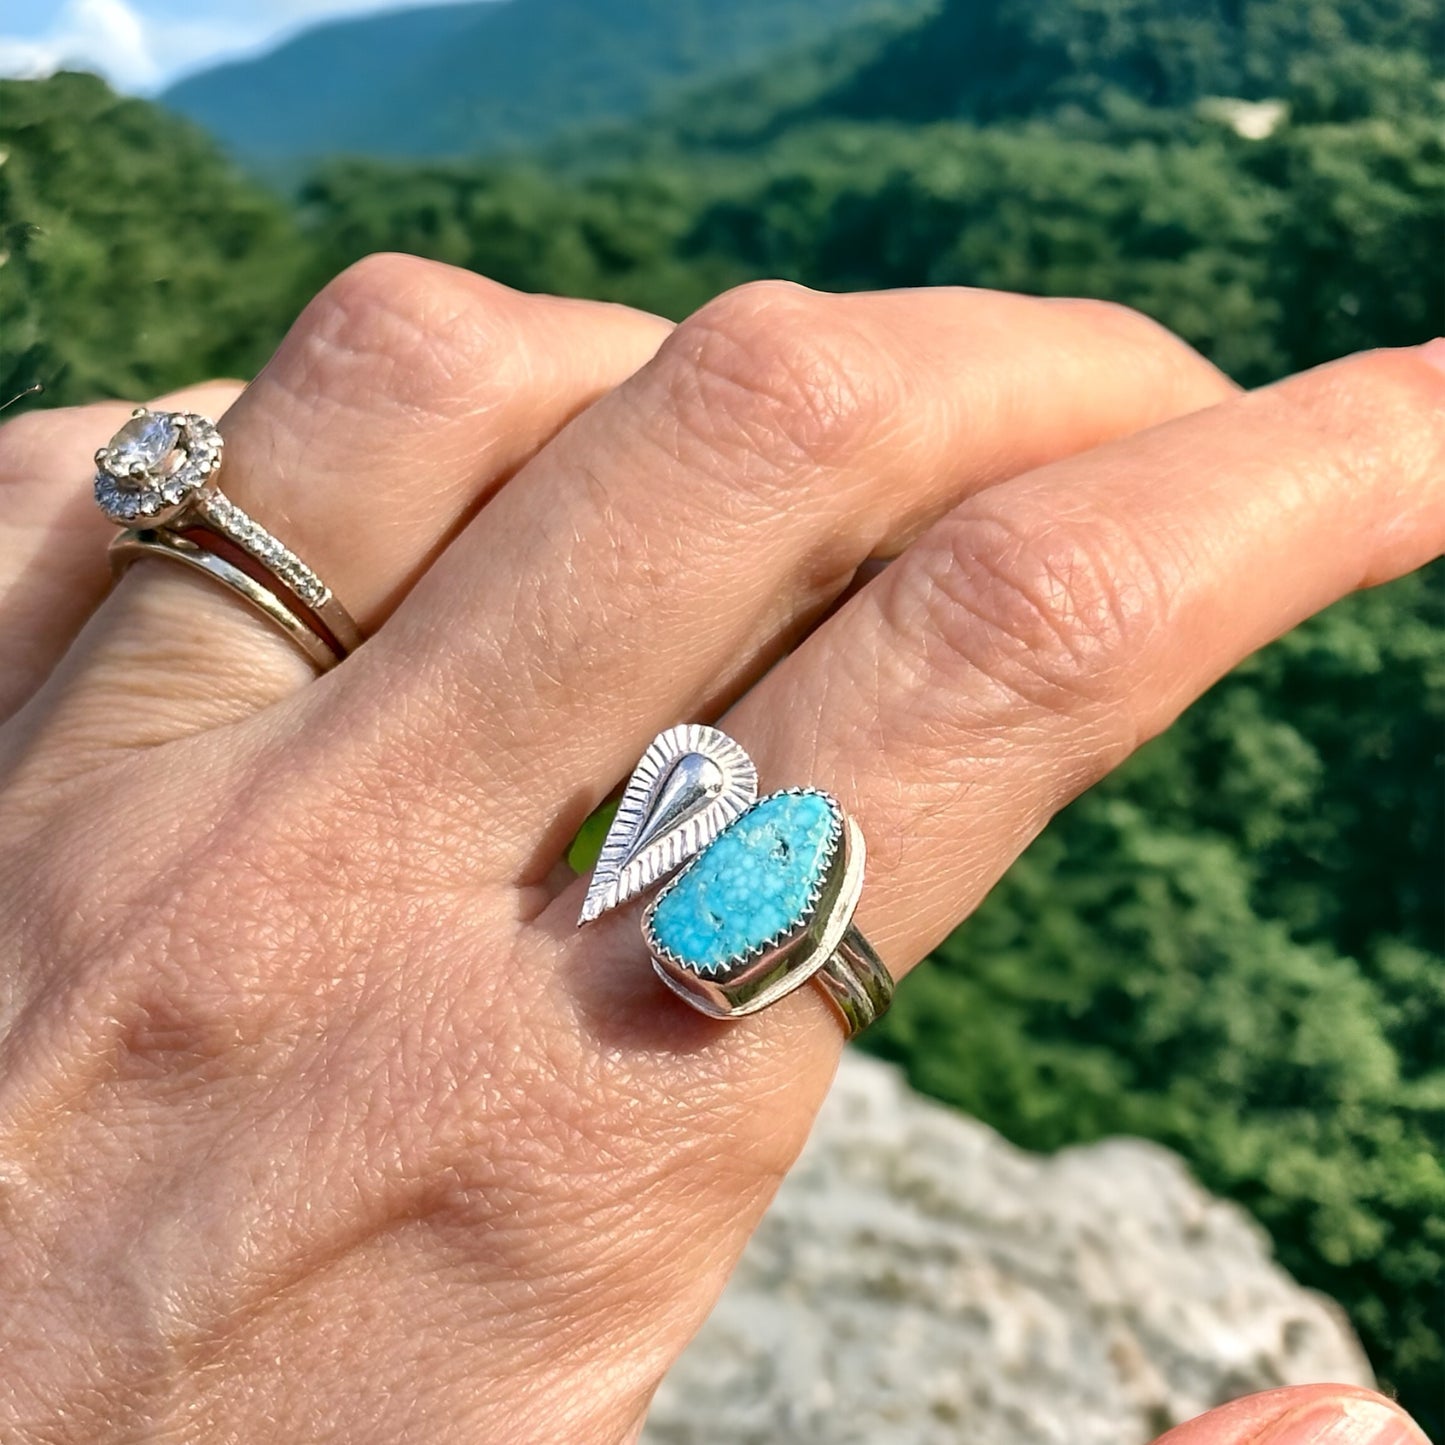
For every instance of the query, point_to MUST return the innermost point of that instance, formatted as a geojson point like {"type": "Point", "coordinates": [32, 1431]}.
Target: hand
{"type": "Point", "coordinates": [318, 1120]}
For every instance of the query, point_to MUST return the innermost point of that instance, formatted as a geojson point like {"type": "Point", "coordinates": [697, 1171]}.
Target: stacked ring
{"type": "Point", "coordinates": [157, 480]}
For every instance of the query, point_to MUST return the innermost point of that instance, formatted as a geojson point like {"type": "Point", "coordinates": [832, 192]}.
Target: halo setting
{"type": "Point", "coordinates": [153, 467]}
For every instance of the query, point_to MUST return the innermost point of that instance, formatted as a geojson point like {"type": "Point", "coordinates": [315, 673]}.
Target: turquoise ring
{"type": "Point", "coordinates": [760, 892]}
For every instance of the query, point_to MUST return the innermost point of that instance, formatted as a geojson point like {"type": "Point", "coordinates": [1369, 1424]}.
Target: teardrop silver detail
{"type": "Point", "coordinates": [691, 783]}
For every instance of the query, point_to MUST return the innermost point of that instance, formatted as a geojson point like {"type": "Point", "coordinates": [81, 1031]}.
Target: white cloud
{"type": "Point", "coordinates": [294, 13]}
{"type": "Point", "coordinates": [103, 35]}
{"type": "Point", "coordinates": [141, 45]}
{"type": "Point", "coordinates": [112, 37]}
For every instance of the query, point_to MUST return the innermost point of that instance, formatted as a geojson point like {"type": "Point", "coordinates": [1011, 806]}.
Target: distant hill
{"type": "Point", "coordinates": [495, 75]}
{"type": "Point", "coordinates": [986, 60]}
{"type": "Point", "coordinates": [1071, 62]}
{"type": "Point", "coordinates": [487, 77]}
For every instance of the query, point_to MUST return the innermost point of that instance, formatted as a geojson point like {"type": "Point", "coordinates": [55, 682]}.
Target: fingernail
{"type": "Point", "coordinates": [1346, 1420]}
{"type": "Point", "coordinates": [1434, 353]}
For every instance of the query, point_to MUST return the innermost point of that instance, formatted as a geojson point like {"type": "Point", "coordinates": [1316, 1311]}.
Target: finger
{"type": "Point", "coordinates": [405, 394]}
{"type": "Point", "coordinates": [1039, 633]}
{"type": "Point", "coordinates": [665, 548]}
{"type": "Point", "coordinates": [1015, 652]}
{"type": "Point", "coordinates": [53, 569]}
{"type": "Point", "coordinates": [1305, 1415]}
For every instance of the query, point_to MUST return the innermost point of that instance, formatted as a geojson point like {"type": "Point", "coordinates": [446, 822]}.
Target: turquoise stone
{"type": "Point", "coordinates": [756, 881]}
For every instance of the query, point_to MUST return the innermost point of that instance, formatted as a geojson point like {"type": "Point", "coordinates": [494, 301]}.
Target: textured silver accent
{"type": "Point", "coordinates": [690, 784]}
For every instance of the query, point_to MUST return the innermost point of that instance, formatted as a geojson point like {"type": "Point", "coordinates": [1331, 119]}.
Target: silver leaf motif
{"type": "Point", "coordinates": [691, 783]}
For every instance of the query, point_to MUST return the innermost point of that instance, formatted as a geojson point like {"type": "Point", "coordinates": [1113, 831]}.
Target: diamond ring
{"type": "Point", "coordinates": [157, 479]}
{"type": "Point", "coordinates": [762, 890]}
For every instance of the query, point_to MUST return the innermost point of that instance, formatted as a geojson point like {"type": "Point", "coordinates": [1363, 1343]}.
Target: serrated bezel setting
{"type": "Point", "coordinates": [746, 983]}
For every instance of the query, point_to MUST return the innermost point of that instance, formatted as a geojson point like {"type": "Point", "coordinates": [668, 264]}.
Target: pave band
{"type": "Point", "coordinates": [156, 479]}
{"type": "Point", "coordinates": [763, 890]}
{"type": "Point", "coordinates": [218, 511]}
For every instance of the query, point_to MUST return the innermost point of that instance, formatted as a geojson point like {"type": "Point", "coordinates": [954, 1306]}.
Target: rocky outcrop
{"type": "Point", "coordinates": [919, 1281]}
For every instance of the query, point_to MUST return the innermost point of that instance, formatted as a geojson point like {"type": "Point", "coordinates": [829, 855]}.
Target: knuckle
{"type": "Point", "coordinates": [386, 280]}
{"type": "Point", "coordinates": [1136, 332]}
{"type": "Point", "coordinates": [1396, 377]}
{"type": "Point", "coordinates": [1056, 611]}
{"type": "Point", "coordinates": [434, 331]}
{"type": "Point", "coordinates": [1162, 364]}
{"type": "Point", "coordinates": [1116, 316]}
{"type": "Point", "coordinates": [776, 370]}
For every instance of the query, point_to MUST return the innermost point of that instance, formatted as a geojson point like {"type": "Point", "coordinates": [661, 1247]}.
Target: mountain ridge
{"type": "Point", "coordinates": [488, 76]}
{"type": "Point", "coordinates": [579, 81]}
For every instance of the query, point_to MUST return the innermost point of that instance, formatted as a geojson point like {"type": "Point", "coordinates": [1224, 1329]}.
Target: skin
{"type": "Point", "coordinates": [318, 1119]}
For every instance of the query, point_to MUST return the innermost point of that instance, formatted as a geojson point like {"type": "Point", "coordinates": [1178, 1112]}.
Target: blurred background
{"type": "Point", "coordinates": [1236, 946]}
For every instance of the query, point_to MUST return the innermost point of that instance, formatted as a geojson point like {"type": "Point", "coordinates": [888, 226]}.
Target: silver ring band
{"type": "Point", "coordinates": [856, 982]}
{"type": "Point", "coordinates": [135, 543]}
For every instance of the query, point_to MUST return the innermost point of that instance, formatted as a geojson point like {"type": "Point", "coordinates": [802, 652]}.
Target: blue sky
{"type": "Point", "coordinates": [140, 45]}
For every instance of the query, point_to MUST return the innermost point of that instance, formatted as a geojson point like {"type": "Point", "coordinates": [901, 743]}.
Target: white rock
{"type": "Point", "coordinates": [919, 1281]}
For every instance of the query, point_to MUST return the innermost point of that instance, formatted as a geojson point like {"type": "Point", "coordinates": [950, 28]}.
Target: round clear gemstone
{"type": "Point", "coordinates": [146, 441]}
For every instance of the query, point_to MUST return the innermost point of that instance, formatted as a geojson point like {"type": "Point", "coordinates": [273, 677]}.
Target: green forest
{"type": "Point", "coordinates": [1236, 945]}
